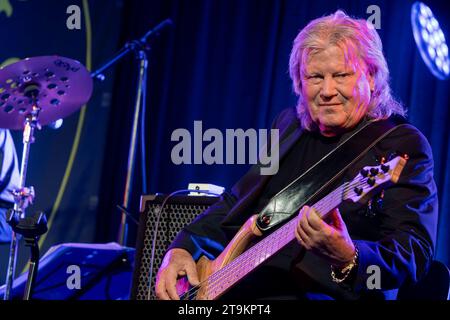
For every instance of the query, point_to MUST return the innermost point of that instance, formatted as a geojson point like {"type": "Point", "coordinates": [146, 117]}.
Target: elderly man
{"type": "Point", "coordinates": [341, 78]}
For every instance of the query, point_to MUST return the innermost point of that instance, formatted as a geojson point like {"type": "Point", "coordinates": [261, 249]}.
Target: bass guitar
{"type": "Point", "coordinates": [236, 261]}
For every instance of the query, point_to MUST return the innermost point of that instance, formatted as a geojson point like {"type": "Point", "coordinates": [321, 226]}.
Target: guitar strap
{"type": "Point", "coordinates": [325, 172]}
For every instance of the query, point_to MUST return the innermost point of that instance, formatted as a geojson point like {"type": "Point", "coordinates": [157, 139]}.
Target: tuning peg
{"type": "Point", "coordinates": [371, 181]}
{"type": "Point", "coordinates": [385, 168]}
{"type": "Point", "coordinates": [374, 171]}
{"type": "Point", "coordinates": [358, 191]}
{"type": "Point", "coordinates": [364, 172]}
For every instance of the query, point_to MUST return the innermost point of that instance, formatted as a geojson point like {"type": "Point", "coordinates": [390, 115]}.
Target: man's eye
{"type": "Point", "coordinates": [342, 75]}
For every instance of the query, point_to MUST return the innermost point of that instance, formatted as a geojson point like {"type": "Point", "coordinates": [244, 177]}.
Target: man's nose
{"type": "Point", "coordinates": [328, 89]}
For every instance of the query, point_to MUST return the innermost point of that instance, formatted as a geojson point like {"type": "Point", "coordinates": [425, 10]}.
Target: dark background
{"type": "Point", "coordinates": [225, 62]}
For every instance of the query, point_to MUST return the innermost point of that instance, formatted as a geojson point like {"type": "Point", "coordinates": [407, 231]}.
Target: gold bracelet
{"type": "Point", "coordinates": [345, 272]}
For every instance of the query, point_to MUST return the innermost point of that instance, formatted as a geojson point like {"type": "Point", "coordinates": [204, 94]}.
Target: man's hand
{"type": "Point", "coordinates": [330, 241]}
{"type": "Point", "coordinates": [176, 263]}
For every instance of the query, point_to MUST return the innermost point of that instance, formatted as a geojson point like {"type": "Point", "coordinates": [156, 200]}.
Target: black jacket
{"type": "Point", "coordinates": [398, 237]}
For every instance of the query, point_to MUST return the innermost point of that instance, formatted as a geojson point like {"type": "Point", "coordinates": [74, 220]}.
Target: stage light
{"type": "Point", "coordinates": [430, 40]}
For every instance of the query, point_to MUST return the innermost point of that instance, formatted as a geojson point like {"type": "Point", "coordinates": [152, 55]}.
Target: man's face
{"type": "Point", "coordinates": [337, 94]}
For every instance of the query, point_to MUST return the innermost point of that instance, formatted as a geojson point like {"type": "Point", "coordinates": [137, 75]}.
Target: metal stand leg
{"type": "Point", "coordinates": [33, 267]}
{"type": "Point", "coordinates": [143, 62]}
{"type": "Point", "coordinates": [11, 266]}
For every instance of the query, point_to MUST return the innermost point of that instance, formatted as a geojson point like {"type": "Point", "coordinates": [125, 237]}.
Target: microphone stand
{"type": "Point", "coordinates": [140, 47]}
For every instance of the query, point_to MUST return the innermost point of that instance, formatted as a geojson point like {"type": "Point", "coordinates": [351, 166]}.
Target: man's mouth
{"type": "Point", "coordinates": [328, 104]}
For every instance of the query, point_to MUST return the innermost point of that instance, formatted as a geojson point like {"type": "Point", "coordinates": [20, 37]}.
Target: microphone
{"type": "Point", "coordinates": [132, 46]}
{"type": "Point", "coordinates": [154, 33]}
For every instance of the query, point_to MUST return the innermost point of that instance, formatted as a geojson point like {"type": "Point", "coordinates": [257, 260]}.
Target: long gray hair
{"type": "Point", "coordinates": [357, 38]}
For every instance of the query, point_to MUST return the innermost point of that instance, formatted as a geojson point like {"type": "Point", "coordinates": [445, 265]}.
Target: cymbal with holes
{"type": "Point", "coordinates": [58, 85]}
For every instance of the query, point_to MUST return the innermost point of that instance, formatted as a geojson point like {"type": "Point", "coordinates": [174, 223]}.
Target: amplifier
{"type": "Point", "coordinates": [177, 212]}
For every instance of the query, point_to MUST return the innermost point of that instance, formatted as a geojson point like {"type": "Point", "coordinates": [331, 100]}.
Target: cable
{"type": "Point", "coordinates": [128, 213]}
{"type": "Point", "coordinates": [155, 230]}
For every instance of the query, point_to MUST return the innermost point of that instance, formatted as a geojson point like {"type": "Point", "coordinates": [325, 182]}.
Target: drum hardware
{"type": "Point", "coordinates": [35, 92]}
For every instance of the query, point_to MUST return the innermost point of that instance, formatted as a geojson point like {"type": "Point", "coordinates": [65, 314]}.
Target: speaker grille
{"type": "Point", "coordinates": [177, 212]}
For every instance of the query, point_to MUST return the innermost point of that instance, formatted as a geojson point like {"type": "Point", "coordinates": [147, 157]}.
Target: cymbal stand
{"type": "Point", "coordinates": [23, 196]}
